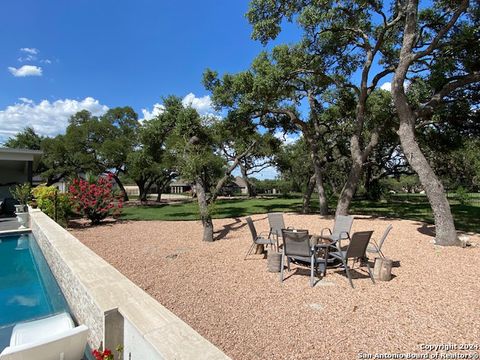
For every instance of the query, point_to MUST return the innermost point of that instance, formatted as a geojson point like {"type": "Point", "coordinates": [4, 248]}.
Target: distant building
{"type": "Point", "coordinates": [236, 186]}
{"type": "Point", "coordinates": [241, 185]}
{"type": "Point", "coordinates": [180, 186]}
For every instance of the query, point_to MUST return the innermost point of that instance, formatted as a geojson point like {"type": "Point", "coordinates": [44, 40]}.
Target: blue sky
{"type": "Point", "coordinates": [58, 57]}
{"type": "Point", "coordinates": [119, 52]}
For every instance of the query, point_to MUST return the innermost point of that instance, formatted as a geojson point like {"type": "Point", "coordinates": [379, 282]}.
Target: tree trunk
{"type": "Point", "coordinates": [351, 184]}
{"type": "Point", "coordinates": [121, 187]}
{"type": "Point", "coordinates": [159, 195]}
{"type": "Point", "coordinates": [308, 195]}
{"type": "Point", "coordinates": [318, 172]}
{"type": "Point", "coordinates": [445, 233]}
{"type": "Point", "coordinates": [204, 211]}
{"type": "Point", "coordinates": [333, 185]}
{"type": "Point", "coordinates": [243, 171]}
{"type": "Point", "coordinates": [322, 197]}
{"type": "Point", "coordinates": [142, 194]}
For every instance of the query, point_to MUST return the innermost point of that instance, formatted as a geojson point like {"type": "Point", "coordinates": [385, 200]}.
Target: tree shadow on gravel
{"type": "Point", "coordinates": [426, 229]}
{"type": "Point", "coordinates": [221, 234]}
{"type": "Point", "coordinates": [236, 225]}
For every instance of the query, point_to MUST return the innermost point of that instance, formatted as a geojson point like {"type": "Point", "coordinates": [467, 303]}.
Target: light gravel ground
{"type": "Point", "coordinates": [249, 314]}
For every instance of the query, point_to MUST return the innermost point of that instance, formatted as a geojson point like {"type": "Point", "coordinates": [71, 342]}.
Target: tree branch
{"type": "Point", "coordinates": [428, 107]}
{"type": "Point", "coordinates": [227, 174]}
{"type": "Point", "coordinates": [433, 45]}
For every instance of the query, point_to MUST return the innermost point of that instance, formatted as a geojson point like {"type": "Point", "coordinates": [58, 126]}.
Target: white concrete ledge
{"type": "Point", "coordinates": [94, 288]}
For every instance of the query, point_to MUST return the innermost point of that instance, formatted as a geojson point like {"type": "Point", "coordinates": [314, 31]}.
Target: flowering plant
{"type": "Point", "coordinates": [102, 355]}
{"type": "Point", "coordinates": [95, 199]}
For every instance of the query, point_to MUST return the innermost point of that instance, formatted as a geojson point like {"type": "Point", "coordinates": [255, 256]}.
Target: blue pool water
{"type": "Point", "coordinates": [28, 289]}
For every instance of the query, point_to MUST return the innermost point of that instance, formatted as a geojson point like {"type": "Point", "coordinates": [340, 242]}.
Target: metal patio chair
{"type": "Point", "coordinates": [257, 239]}
{"type": "Point", "coordinates": [355, 251]}
{"type": "Point", "coordinates": [341, 229]}
{"type": "Point", "coordinates": [277, 224]}
{"type": "Point", "coordinates": [377, 248]}
{"type": "Point", "coordinates": [297, 248]}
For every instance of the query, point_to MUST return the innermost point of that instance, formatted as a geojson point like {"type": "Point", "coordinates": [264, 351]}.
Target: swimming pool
{"type": "Point", "coordinates": [28, 289]}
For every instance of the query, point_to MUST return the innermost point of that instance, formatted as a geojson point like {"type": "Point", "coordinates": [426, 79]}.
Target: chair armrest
{"type": "Point", "coordinates": [374, 245]}
{"type": "Point", "coordinates": [321, 232]}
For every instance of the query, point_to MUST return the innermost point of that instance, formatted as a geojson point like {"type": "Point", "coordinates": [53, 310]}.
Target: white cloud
{"type": "Point", "coordinates": [27, 58]}
{"type": "Point", "coordinates": [286, 138]}
{"type": "Point", "coordinates": [386, 86]}
{"type": "Point", "coordinates": [157, 110]}
{"type": "Point", "coordinates": [46, 61]}
{"type": "Point", "coordinates": [47, 118]}
{"type": "Point", "coordinates": [26, 100]}
{"type": "Point", "coordinates": [26, 70]}
{"type": "Point", "coordinates": [32, 51]}
{"type": "Point", "coordinates": [203, 104]}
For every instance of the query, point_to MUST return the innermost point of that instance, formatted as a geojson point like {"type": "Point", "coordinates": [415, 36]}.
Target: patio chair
{"type": "Point", "coordinates": [257, 239]}
{"type": "Point", "coordinates": [275, 220]}
{"type": "Point", "coordinates": [341, 229]}
{"type": "Point", "coordinates": [54, 337]}
{"type": "Point", "coordinates": [376, 248]}
{"type": "Point", "coordinates": [356, 251]}
{"type": "Point", "coordinates": [297, 248]}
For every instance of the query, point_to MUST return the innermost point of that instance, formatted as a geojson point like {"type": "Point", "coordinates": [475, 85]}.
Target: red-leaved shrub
{"type": "Point", "coordinates": [95, 200]}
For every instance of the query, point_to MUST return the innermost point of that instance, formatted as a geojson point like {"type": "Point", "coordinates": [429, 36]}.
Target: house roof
{"type": "Point", "coordinates": [240, 182]}
{"type": "Point", "coordinates": [180, 182]}
{"type": "Point", "coordinates": [11, 159]}
{"type": "Point", "coordinates": [20, 154]}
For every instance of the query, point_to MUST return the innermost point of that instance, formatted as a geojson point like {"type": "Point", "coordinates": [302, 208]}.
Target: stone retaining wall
{"type": "Point", "coordinates": [115, 309]}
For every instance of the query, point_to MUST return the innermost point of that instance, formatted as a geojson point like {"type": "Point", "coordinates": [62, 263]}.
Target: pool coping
{"type": "Point", "coordinates": [15, 231]}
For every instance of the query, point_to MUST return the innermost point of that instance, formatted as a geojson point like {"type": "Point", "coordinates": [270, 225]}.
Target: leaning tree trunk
{"type": "Point", "coordinates": [308, 195]}
{"type": "Point", "coordinates": [204, 213]}
{"type": "Point", "coordinates": [121, 187]}
{"type": "Point", "coordinates": [445, 233]}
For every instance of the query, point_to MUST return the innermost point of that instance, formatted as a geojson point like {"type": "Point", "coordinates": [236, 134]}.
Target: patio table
{"type": "Point", "coordinates": [323, 245]}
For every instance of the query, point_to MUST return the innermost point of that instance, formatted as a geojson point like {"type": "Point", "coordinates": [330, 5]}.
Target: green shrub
{"type": "Point", "coordinates": [461, 194]}
{"type": "Point", "coordinates": [45, 197]}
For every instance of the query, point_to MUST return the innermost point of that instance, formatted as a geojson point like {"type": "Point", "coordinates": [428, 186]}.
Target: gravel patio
{"type": "Point", "coordinates": [433, 297]}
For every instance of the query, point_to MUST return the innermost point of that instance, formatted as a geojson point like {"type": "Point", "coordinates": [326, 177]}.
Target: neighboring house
{"type": "Point", "coordinates": [236, 186]}
{"type": "Point", "coordinates": [61, 185]}
{"type": "Point", "coordinates": [240, 185]}
{"type": "Point", "coordinates": [132, 190]}
{"type": "Point", "coordinates": [16, 167]}
{"type": "Point", "coordinates": [180, 186]}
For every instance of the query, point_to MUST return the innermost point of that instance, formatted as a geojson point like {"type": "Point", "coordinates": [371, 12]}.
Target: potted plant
{"type": "Point", "coordinates": [21, 193]}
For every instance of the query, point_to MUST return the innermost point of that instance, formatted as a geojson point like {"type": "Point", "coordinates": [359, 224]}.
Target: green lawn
{"type": "Point", "coordinates": [398, 206]}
